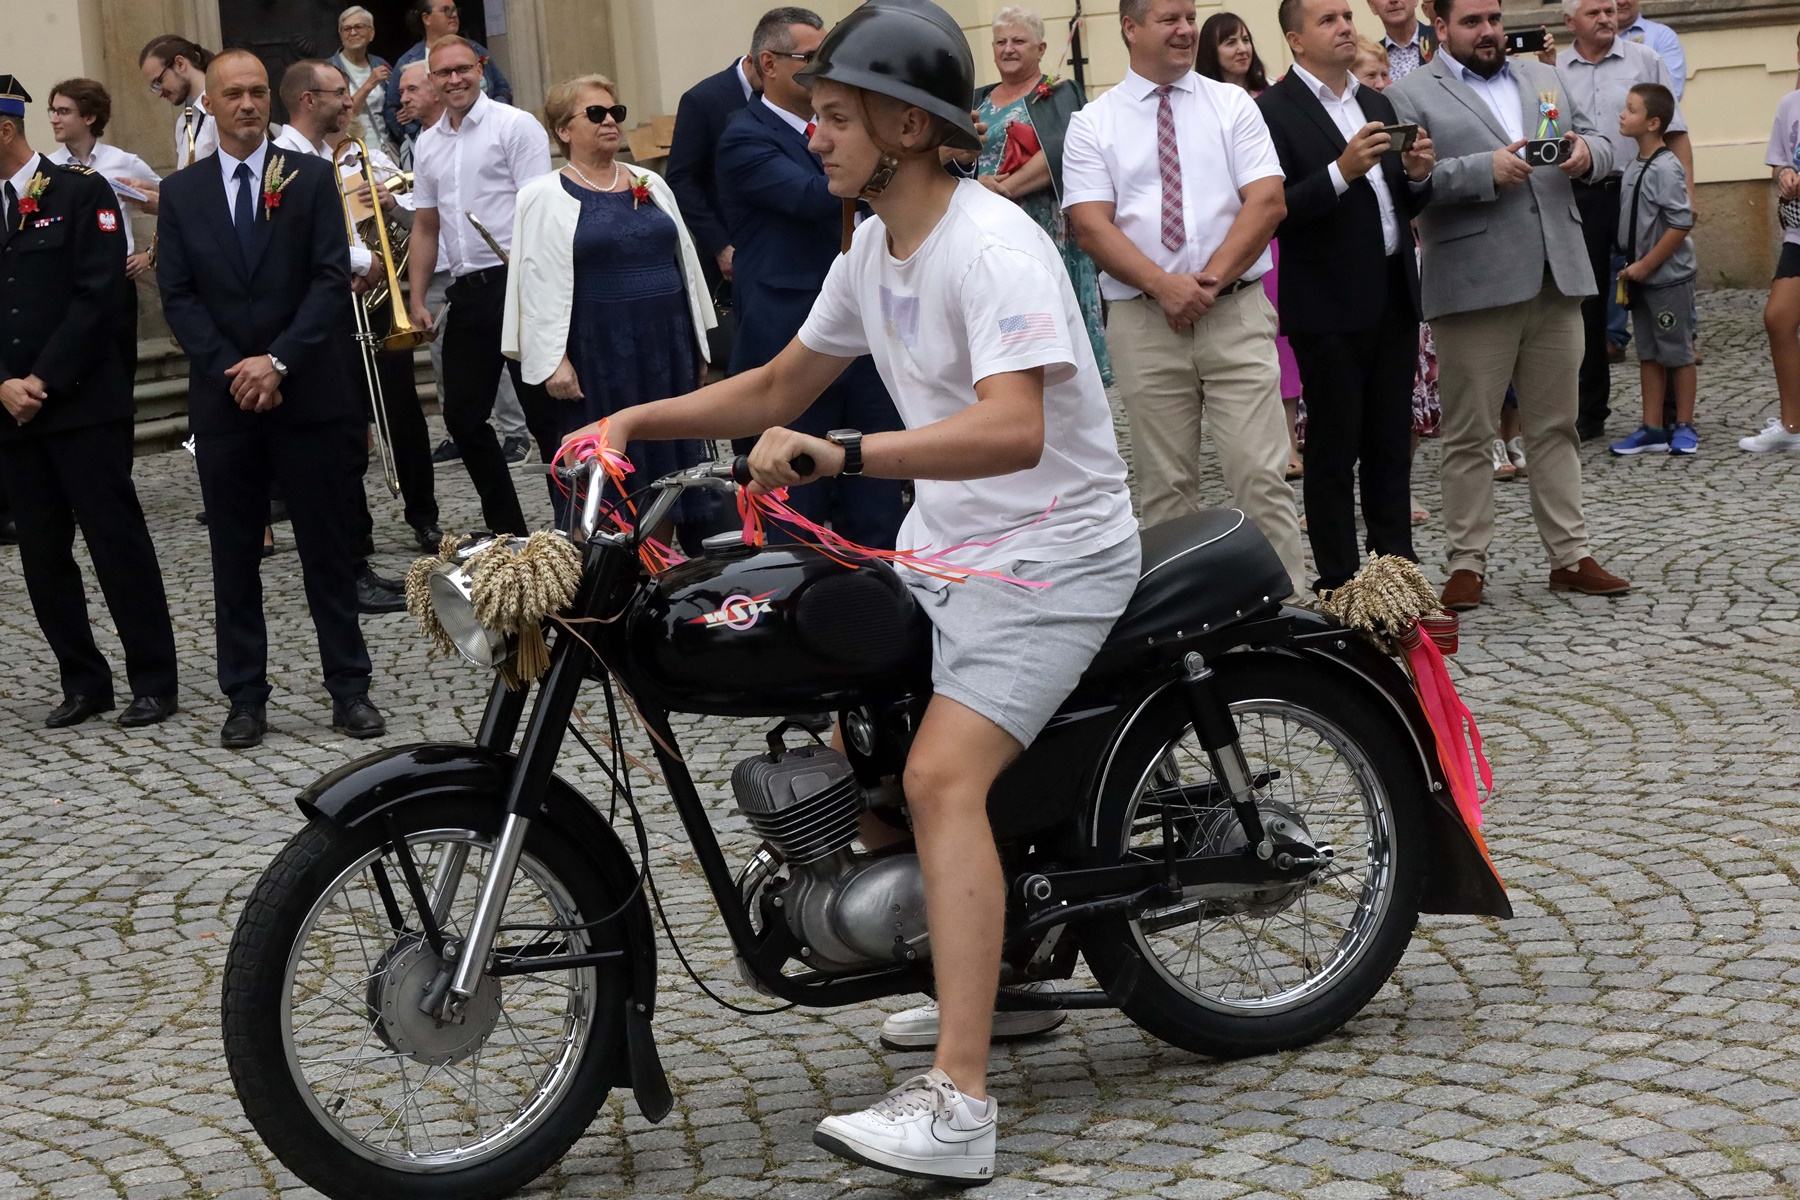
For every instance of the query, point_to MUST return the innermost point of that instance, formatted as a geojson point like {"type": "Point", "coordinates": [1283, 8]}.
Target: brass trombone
{"type": "Point", "coordinates": [404, 335]}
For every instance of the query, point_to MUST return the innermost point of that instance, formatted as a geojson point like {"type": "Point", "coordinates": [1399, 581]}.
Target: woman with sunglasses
{"type": "Point", "coordinates": [606, 306]}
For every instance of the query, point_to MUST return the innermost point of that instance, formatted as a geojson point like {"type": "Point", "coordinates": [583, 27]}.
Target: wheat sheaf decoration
{"type": "Point", "coordinates": [1387, 597]}
{"type": "Point", "coordinates": [515, 585]}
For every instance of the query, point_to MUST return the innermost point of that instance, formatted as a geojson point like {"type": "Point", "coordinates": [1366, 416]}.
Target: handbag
{"type": "Point", "coordinates": [1022, 146]}
{"type": "Point", "coordinates": [1789, 212]}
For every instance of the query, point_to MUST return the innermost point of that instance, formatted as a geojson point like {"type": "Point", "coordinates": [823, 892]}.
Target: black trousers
{"type": "Point", "coordinates": [236, 470]}
{"type": "Point", "coordinates": [1599, 207]}
{"type": "Point", "coordinates": [1359, 410]}
{"type": "Point", "coordinates": [83, 476]}
{"type": "Point", "coordinates": [472, 366]}
{"type": "Point", "coordinates": [408, 438]}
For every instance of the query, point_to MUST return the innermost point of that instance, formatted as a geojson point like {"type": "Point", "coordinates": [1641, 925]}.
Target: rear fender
{"type": "Point", "coordinates": [361, 791]}
{"type": "Point", "coordinates": [1461, 881]}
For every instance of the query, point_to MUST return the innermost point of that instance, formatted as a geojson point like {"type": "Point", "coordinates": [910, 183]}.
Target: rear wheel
{"type": "Point", "coordinates": [1231, 972]}
{"type": "Point", "coordinates": [355, 1089]}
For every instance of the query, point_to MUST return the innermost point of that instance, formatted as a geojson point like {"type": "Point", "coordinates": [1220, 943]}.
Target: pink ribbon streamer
{"type": "Point", "coordinates": [1449, 718]}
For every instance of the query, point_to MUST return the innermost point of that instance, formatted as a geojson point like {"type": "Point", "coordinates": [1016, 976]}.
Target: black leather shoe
{"type": "Point", "coordinates": [358, 718]}
{"type": "Point", "coordinates": [447, 451]}
{"type": "Point", "coordinates": [76, 709]}
{"type": "Point", "coordinates": [244, 727]}
{"type": "Point", "coordinates": [147, 710]}
{"type": "Point", "coordinates": [9, 531]}
{"type": "Point", "coordinates": [375, 594]}
{"type": "Point", "coordinates": [429, 537]}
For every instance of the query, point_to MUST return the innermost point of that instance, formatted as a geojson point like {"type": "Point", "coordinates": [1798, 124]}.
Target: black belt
{"type": "Point", "coordinates": [481, 278]}
{"type": "Point", "coordinates": [1239, 286]}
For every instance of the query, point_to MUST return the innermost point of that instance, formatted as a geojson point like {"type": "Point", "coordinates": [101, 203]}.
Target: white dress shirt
{"type": "Point", "coordinates": [744, 81]}
{"type": "Point", "coordinates": [205, 132]}
{"type": "Point", "coordinates": [1348, 116]}
{"type": "Point", "coordinates": [477, 169]}
{"type": "Point", "coordinates": [1500, 94]}
{"type": "Point", "coordinates": [292, 140]}
{"type": "Point", "coordinates": [113, 164]}
{"type": "Point", "coordinates": [20, 182]}
{"type": "Point", "coordinates": [1110, 156]}
{"type": "Point", "coordinates": [228, 166]}
{"type": "Point", "coordinates": [797, 124]}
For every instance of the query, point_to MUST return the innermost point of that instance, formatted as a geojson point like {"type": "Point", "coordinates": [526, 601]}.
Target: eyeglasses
{"type": "Point", "coordinates": [464, 71]}
{"type": "Point", "coordinates": [599, 112]}
{"type": "Point", "coordinates": [156, 88]}
{"type": "Point", "coordinates": [796, 55]}
{"type": "Point", "coordinates": [357, 27]}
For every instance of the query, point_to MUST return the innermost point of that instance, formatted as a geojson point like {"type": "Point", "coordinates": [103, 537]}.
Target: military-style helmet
{"type": "Point", "coordinates": [911, 50]}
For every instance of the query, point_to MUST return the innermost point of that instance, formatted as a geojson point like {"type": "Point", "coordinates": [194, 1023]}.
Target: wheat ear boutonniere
{"type": "Point", "coordinates": [28, 203]}
{"type": "Point", "coordinates": [640, 190]}
{"type": "Point", "coordinates": [274, 183]}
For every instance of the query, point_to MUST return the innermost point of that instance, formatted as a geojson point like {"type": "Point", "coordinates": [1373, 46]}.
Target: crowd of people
{"type": "Point", "coordinates": [1204, 210]}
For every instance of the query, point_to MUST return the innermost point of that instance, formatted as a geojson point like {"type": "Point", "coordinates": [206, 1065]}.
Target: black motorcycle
{"type": "Point", "coordinates": [1235, 820]}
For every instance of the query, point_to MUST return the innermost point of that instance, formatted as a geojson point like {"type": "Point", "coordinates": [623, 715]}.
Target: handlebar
{"type": "Point", "coordinates": [740, 467]}
{"type": "Point", "coordinates": [669, 488]}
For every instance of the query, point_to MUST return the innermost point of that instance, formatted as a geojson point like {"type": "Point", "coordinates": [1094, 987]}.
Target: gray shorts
{"type": "Point", "coordinates": [1014, 654]}
{"type": "Point", "coordinates": [1662, 319]}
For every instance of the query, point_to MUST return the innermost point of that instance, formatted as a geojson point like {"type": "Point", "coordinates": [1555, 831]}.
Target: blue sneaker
{"type": "Point", "coordinates": [1685, 440]}
{"type": "Point", "coordinates": [1644, 440]}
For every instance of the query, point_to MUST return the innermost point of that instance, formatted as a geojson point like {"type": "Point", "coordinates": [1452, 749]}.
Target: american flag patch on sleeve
{"type": "Point", "coordinates": [1027, 328]}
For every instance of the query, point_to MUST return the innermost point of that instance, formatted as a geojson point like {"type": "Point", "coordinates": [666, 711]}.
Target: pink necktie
{"type": "Point", "coordinates": [1168, 161]}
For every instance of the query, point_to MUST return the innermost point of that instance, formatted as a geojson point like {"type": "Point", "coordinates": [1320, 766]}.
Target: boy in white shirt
{"type": "Point", "coordinates": [968, 312]}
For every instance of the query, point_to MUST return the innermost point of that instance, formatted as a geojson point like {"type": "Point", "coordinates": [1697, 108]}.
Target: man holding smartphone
{"type": "Point", "coordinates": [1350, 201]}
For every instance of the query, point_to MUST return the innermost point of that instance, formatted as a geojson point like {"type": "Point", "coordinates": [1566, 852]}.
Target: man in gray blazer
{"type": "Point", "coordinates": [1505, 268]}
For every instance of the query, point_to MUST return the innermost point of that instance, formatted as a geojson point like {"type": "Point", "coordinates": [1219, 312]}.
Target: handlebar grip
{"type": "Point", "coordinates": [740, 467]}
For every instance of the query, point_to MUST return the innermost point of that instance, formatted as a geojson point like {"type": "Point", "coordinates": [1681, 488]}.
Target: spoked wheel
{"type": "Point", "coordinates": [355, 1088]}
{"type": "Point", "coordinates": [1232, 971]}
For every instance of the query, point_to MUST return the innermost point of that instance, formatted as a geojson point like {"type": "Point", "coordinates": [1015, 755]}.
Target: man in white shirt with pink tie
{"type": "Point", "coordinates": [1172, 184]}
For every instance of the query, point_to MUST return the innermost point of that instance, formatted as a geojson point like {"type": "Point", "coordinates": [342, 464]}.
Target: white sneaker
{"type": "Point", "coordinates": [924, 1128]}
{"type": "Point", "coordinates": [1503, 466]}
{"type": "Point", "coordinates": [1515, 450]}
{"type": "Point", "coordinates": [917, 1028]}
{"type": "Point", "coordinates": [1774, 436]}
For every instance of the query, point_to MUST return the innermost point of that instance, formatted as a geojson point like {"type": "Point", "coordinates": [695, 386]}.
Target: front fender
{"type": "Point", "coordinates": [362, 790]}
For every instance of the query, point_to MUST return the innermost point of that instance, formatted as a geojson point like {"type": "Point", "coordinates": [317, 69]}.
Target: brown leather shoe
{"type": "Point", "coordinates": [1463, 591]}
{"type": "Point", "coordinates": [1589, 578]}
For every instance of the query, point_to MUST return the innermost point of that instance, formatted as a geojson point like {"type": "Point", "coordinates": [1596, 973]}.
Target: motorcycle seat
{"type": "Point", "coordinates": [1199, 572]}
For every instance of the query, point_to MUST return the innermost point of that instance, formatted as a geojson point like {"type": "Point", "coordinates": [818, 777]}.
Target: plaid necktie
{"type": "Point", "coordinates": [1168, 162]}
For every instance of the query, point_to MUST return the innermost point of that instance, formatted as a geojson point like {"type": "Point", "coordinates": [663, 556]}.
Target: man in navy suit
{"type": "Point", "coordinates": [253, 264]}
{"type": "Point", "coordinates": [700, 118]}
{"type": "Point", "coordinates": [787, 228]}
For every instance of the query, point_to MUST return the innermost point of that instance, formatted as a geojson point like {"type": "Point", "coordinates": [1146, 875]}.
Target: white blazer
{"type": "Point", "coordinates": [540, 280]}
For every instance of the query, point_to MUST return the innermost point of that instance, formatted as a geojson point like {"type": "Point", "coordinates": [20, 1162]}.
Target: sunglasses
{"type": "Point", "coordinates": [599, 112]}
{"type": "Point", "coordinates": [796, 55]}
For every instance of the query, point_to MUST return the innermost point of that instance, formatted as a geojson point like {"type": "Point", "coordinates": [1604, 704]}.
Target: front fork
{"type": "Point", "coordinates": [1217, 732]}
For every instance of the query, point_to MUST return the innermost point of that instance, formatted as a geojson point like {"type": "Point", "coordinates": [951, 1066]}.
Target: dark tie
{"type": "Point", "coordinates": [1168, 162]}
{"type": "Point", "coordinates": [12, 204]}
{"type": "Point", "coordinates": [244, 218]}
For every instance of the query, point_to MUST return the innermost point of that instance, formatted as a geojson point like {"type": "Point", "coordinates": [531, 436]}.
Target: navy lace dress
{"type": "Point", "coordinates": [631, 335]}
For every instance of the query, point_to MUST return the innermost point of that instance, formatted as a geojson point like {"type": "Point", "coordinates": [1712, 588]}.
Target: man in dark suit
{"type": "Point", "coordinates": [1349, 285]}
{"type": "Point", "coordinates": [65, 436]}
{"type": "Point", "coordinates": [253, 264]}
{"type": "Point", "coordinates": [787, 228]}
{"type": "Point", "coordinates": [700, 118]}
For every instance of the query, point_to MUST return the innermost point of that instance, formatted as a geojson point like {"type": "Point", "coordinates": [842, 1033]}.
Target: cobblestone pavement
{"type": "Point", "coordinates": [1630, 1033]}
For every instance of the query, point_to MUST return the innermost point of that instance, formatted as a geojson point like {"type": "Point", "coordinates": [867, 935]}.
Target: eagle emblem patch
{"type": "Point", "coordinates": [108, 219]}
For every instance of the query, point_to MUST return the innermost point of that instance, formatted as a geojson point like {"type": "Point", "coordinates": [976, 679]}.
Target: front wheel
{"type": "Point", "coordinates": [1245, 971]}
{"type": "Point", "coordinates": [352, 1086]}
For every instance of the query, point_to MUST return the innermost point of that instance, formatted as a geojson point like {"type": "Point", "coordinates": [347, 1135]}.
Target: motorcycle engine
{"type": "Point", "coordinates": [848, 911]}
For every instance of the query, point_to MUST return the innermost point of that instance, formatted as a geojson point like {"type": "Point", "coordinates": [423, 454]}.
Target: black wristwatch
{"type": "Point", "coordinates": [850, 440]}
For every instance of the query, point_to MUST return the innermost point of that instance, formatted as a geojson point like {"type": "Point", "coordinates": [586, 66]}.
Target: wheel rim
{"type": "Point", "coordinates": [439, 1102]}
{"type": "Point", "coordinates": [1277, 955]}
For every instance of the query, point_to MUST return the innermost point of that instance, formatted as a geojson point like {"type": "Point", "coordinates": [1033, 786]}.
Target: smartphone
{"type": "Point", "coordinates": [1404, 136]}
{"type": "Point", "coordinates": [1526, 41]}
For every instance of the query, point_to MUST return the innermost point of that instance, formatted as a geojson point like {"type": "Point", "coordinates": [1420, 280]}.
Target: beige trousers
{"type": "Point", "coordinates": [1225, 367]}
{"type": "Point", "coordinates": [1537, 347]}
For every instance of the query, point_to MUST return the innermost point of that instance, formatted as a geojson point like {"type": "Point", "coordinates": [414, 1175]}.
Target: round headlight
{"type": "Point", "coordinates": [456, 613]}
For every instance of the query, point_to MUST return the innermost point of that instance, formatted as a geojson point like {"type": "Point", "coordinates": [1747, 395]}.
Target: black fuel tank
{"type": "Point", "coordinates": [774, 632]}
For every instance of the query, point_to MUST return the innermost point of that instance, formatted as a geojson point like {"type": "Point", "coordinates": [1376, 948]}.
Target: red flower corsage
{"type": "Point", "coordinates": [28, 203]}
{"type": "Point", "coordinates": [640, 190]}
{"type": "Point", "coordinates": [1045, 86]}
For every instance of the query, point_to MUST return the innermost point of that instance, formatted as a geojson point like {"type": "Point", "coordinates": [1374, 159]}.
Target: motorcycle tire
{"type": "Point", "coordinates": [1122, 959]}
{"type": "Point", "coordinates": [256, 982]}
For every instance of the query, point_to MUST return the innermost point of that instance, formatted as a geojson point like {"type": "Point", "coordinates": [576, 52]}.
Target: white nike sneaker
{"type": "Point", "coordinates": [917, 1028]}
{"type": "Point", "coordinates": [924, 1128]}
{"type": "Point", "coordinates": [1774, 436]}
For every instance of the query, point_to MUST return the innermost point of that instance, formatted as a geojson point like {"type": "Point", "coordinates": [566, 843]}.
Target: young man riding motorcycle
{"type": "Point", "coordinates": [966, 308]}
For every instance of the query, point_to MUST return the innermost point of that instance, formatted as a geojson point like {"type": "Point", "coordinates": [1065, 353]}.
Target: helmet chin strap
{"type": "Point", "coordinates": [881, 177]}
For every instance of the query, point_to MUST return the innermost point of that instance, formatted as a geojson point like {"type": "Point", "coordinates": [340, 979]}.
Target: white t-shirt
{"type": "Point", "coordinates": [985, 294]}
{"type": "Point", "coordinates": [1784, 146]}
